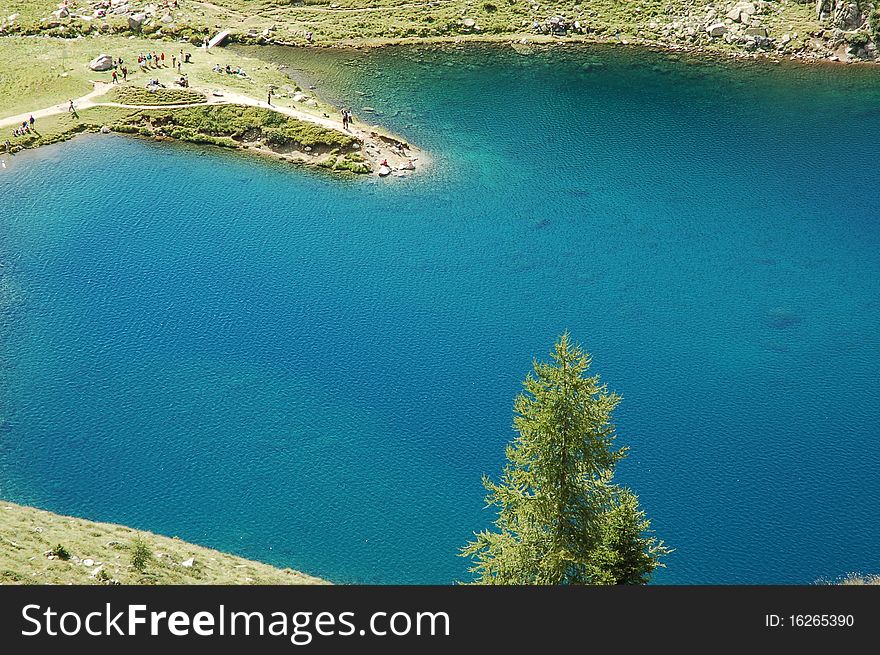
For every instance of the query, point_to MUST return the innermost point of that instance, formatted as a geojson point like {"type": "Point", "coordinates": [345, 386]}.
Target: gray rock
{"type": "Point", "coordinates": [716, 29]}
{"type": "Point", "coordinates": [101, 63]}
{"type": "Point", "coordinates": [844, 14]}
{"type": "Point", "coordinates": [136, 21]}
{"type": "Point", "coordinates": [757, 31]}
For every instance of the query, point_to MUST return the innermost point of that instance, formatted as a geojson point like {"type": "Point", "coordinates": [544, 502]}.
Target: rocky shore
{"type": "Point", "coordinates": [833, 30]}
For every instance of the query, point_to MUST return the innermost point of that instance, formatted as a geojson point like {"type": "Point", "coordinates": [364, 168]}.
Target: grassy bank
{"type": "Point", "coordinates": [227, 126]}
{"type": "Point", "coordinates": [793, 28]}
{"type": "Point", "coordinates": [39, 547]}
{"type": "Point", "coordinates": [61, 127]}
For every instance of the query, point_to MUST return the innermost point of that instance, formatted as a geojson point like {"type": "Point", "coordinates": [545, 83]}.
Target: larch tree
{"type": "Point", "coordinates": [561, 519]}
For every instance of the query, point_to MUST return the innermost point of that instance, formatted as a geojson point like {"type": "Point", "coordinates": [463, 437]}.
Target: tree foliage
{"type": "Point", "coordinates": [561, 519]}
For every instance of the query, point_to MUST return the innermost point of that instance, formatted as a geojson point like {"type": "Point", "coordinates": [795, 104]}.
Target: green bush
{"type": "Point", "coordinates": [857, 38]}
{"type": "Point", "coordinates": [60, 552]}
{"type": "Point", "coordinates": [141, 555]}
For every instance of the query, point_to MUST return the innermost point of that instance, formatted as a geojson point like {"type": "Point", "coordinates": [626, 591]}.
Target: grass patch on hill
{"type": "Point", "coordinates": [133, 95]}
{"type": "Point", "coordinates": [85, 552]}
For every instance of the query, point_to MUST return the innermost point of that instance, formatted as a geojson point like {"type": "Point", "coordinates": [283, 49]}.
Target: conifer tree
{"type": "Point", "coordinates": [561, 520]}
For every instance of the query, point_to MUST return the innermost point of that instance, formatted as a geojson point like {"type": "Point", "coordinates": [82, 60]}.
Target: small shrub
{"type": "Point", "coordinates": [489, 8]}
{"type": "Point", "coordinates": [141, 555]}
{"type": "Point", "coordinates": [60, 552]}
{"type": "Point", "coordinates": [857, 38]}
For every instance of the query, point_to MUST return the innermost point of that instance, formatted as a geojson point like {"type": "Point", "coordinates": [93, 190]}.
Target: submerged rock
{"type": "Point", "coordinates": [782, 319]}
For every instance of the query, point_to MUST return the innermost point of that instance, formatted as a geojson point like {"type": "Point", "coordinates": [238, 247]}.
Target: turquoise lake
{"type": "Point", "coordinates": [315, 372]}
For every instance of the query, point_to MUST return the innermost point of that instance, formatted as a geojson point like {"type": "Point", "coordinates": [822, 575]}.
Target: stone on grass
{"type": "Point", "coordinates": [101, 63]}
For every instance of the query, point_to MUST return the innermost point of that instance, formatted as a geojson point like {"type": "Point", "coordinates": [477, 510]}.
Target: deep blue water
{"type": "Point", "coordinates": [316, 372]}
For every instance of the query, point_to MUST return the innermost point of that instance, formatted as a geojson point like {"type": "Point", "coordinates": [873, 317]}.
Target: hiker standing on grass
{"type": "Point", "coordinates": [70, 108]}
{"type": "Point", "coordinates": [162, 58]}
{"type": "Point", "coordinates": [270, 96]}
{"type": "Point", "coordinates": [124, 74]}
{"type": "Point", "coordinates": [173, 62]}
{"type": "Point", "coordinates": [32, 121]}
{"type": "Point", "coordinates": [115, 78]}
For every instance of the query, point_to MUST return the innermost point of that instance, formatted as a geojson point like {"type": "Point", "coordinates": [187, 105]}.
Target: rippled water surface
{"type": "Point", "coordinates": [315, 372]}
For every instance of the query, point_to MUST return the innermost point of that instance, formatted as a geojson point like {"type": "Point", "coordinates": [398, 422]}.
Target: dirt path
{"type": "Point", "coordinates": [83, 102]}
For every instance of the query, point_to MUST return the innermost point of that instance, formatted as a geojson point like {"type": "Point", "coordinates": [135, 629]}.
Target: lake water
{"type": "Point", "coordinates": [316, 372]}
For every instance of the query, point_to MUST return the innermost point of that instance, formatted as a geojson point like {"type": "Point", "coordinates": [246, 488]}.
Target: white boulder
{"type": "Point", "coordinates": [101, 63]}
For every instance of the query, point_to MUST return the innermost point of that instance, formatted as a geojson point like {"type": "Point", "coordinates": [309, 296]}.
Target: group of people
{"type": "Point", "coordinates": [24, 129]}
{"type": "Point", "coordinates": [151, 60]}
{"type": "Point", "coordinates": [229, 70]}
{"type": "Point", "coordinates": [346, 118]}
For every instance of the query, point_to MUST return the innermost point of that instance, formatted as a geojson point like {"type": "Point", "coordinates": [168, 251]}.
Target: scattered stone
{"type": "Point", "coordinates": [189, 562]}
{"type": "Point", "coordinates": [101, 63]}
{"type": "Point", "coordinates": [469, 23]}
{"type": "Point", "coordinates": [88, 562]}
{"type": "Point", "coordinates": [105, 130]}
{"type": "Point", "coordinates": [716, 29]}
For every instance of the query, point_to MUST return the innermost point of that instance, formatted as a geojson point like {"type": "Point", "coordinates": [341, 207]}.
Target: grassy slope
{"type": "Point", "coordinates": [366, 20]}
{"type": "Point", "coordinates": [26, 534]}
{"type": "Point", "coordinates": [57, 69]}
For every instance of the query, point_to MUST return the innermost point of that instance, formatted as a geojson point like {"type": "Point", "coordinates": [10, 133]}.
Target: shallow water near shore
{"type": "Point", "coordinates": [315, 372]}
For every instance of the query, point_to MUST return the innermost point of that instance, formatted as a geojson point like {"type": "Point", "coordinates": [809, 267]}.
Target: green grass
{"type": "Point", "coordinates": [62, 127]}
{"type": "Point", "coordinates": [28, 536]}
{"type": "Point", "coordinates": [39, 72]}
{"type": "Point", "coordinates": [134, 95]}
{"type": "Point", "coordinates": [228, 125]}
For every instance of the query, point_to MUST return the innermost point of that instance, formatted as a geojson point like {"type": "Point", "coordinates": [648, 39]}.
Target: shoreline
{"type": "Point", "coordinates": [377, 144]}
{"type": "Point", "coordinates": [540, 40]}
